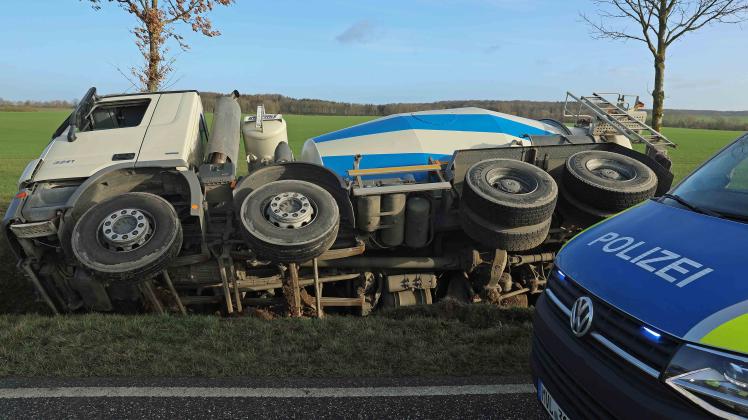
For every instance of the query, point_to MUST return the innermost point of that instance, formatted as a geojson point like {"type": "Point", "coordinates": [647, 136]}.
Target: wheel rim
{"type": "Point", "coordinates": [510, 182]}
{"type": "Point", "coordinates": [290, 210]}
{"type": "Point", "coordinates": [126, 229]}
{"type": "Point", "coordinates": [610, 170]}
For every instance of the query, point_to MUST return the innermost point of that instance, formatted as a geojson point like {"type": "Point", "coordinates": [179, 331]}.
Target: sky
{"type": "Point", "coordinates": [371, 51]}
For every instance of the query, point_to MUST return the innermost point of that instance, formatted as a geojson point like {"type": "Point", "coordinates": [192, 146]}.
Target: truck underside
{"type": "Point", "coordinates": [297, 238]}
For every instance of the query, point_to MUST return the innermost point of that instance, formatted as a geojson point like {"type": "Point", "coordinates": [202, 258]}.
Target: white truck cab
{"type": "Point", "coordinates": [139, 130]}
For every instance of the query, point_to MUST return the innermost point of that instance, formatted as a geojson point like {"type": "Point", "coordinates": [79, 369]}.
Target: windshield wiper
{"type": "Point", "coordinates": [680, 200]}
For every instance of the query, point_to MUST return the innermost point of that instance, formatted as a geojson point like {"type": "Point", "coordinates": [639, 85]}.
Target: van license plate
{"type": "Point", "coordinates": [551, 406]}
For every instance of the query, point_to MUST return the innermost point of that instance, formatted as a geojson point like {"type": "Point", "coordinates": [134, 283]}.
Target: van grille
{"type": "Point", "coordinates": [618, 327]}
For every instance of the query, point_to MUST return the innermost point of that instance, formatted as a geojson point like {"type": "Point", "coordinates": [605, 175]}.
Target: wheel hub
{"type": "Point", "coordinates": [610, 169]}
{"type": "Point", "coordinates": [290, 210]}
{"type": "Point", "coordinates": [126, 229]}
{"type": "Point", "coordinates": [510, 185]}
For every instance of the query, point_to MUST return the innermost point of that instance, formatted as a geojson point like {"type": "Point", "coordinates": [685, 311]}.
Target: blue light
{"type": "Point", "coordinates": [560, 274]}
{"type": "Point", "coordinates": [651, 334]}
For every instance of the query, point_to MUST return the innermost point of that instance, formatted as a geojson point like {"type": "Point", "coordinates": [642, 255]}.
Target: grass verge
{"type": "Point", "coordinates": [443, 340]}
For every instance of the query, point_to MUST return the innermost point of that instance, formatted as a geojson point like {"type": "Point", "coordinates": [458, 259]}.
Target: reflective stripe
{"type": "Point", "coordinates": [732, 335]}
{"type": "Point", "coordinates": [714, 321]}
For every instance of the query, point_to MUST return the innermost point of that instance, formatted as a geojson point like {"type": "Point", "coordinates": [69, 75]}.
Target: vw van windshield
{"type": "Point", "coordinates": [720, 186]}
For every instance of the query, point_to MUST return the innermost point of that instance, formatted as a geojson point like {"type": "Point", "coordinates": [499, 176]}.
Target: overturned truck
{"type": "Point", "coordinates": [135, 206]}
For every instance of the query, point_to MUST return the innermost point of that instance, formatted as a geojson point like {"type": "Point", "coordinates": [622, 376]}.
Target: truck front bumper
{"type": "Point", "coordinates": [587, 384]}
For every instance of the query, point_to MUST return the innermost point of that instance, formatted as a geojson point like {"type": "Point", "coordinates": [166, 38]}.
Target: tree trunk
{"type": "Point", "coordinates": [154, 26]}
{"type": "Point", "coordinates": [658, 94]}
{"type": "Point", "coordinates": [154, 60]}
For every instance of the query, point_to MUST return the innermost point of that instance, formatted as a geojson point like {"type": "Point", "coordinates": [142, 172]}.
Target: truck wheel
{"type": "Point", "coordinates": [290, 220]}
{"type": "Point", "coordinates": [577, 213]}
{"type": "Point", "coordinates": [608, 181]}
{"type": "Point", "coordinates": [496, 236]}
{"type": "Point", "coordinates": [127, 237]}
{"type": "Point", "coordinates": [509, 192]}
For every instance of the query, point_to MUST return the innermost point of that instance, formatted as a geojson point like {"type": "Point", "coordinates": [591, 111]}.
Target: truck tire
{"type": "Point", "coordinates": [608, 181]}
{"type": "Point", "coordinates": [577, 213]}
{"type": "Point", "coordinates": [129, 237]}
{"type": "Point", "coordinates": [290, 221]}
{"type": "Point", "coordinates": [521, 238]}
{"type": "Point", "coordinates": [509, 193]}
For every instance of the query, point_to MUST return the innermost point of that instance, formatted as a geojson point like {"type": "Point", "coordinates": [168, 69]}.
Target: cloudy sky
{"type": "Point", "coordinates": [373, 51]}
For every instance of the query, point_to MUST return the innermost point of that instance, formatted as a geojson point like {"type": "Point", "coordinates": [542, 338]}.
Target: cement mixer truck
{"type": "Point", "coordinates": [136, 206]}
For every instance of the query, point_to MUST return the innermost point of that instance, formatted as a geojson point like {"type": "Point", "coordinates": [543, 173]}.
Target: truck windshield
{"type": "Point", "coordinates": [721, 185]}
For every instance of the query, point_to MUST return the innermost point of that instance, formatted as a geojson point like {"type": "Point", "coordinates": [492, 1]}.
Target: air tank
{"type": "Point", "coordinates": [393, 217]}
{"type": "Point", "coordinates": [223, 144]}
{"type": "Point", "coordinates": [262, 135]}
{"type": "Point", "coordinates": [417, 221]}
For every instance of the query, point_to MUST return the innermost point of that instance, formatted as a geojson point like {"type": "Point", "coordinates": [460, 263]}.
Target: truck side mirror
{"type": "Point", "coordinates": [71, 129]}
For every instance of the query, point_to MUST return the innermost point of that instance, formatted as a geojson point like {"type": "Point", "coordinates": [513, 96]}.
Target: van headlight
{"type": "Point", "coordinates": [717, 381]}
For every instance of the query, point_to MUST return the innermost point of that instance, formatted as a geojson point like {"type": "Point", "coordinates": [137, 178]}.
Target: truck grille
{"type": "Point", "coordinates": [621, 329]}
{"type": "Point", "coordinates": [34, 230]}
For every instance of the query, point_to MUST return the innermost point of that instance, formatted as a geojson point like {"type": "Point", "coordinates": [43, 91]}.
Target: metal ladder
{"type": "Point", "coordinates": [617, 117]}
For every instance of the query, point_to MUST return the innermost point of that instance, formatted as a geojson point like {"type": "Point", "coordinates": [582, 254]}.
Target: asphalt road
{"type": "Point", "coordinates": [434, 398]}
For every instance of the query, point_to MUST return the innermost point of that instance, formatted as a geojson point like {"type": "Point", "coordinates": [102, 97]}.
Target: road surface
{"type": "Point", "coordinates": [474, 397]}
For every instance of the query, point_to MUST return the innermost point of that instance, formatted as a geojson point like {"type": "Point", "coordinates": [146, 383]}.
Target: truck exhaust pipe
{"type": "Point", "coordinates": [223, 144]}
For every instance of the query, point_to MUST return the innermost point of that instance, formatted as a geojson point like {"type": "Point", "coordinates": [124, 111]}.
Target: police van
{"type": "Point", "coordinates": [646, 313]}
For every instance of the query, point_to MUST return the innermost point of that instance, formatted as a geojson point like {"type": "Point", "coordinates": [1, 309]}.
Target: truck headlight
{"type": "Point", "coordinates": [715, 380]}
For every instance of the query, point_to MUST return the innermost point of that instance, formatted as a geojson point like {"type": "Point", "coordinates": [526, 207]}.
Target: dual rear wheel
{"type": "Point", "coordinates": [508, 204]}
{"type": "Point", "coordinates": [598, 184]}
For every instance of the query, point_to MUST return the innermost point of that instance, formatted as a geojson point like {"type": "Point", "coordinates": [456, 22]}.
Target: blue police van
{"type": "Point", "coordinates": [646, 313]}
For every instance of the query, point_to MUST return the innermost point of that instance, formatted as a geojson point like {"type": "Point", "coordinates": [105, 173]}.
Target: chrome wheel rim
{"type": "Point", "coordinates": [290, 210]}
{"type": "Point", "coordinates": [126, 229]}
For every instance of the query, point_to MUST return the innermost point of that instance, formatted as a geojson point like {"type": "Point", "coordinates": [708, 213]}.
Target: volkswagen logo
{"type": "Point", "coordinates": [581, 316]}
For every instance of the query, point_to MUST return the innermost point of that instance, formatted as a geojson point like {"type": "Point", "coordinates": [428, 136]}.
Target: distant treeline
{"type": "Point", "coordinates": [713, 120]}
{"type": "Point", "coordinates": [284, 104]}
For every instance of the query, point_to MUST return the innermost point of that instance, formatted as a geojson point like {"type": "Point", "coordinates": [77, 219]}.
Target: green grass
{"type": "Point", "coordinates": [441, 341]}
{"type": "Point", "coordinates": [695, 146]}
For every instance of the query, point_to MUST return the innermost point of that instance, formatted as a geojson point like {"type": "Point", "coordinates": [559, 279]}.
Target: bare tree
{"type": "Point", "coordinates": [659, 23]}
{"type": "Point", "coordinates": [156, 25]}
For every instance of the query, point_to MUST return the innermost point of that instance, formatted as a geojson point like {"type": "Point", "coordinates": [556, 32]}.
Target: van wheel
{"type": "Point", "coordinates": [290, 221]}
{"type": "Point", "coordinates": [128, 237]}
{"type": "Point", "coordinates": [496, 236]}
{"type": "Point", "coordinates": [608, 181]}
{"type": "Point", "coordinates": [509, 192]}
